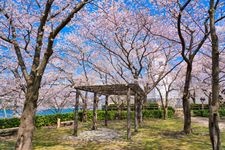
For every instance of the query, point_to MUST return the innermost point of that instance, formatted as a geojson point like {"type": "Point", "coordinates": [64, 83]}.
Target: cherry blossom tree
{"type": "Point", "coordinates": [166, 88]}
{"type": "Point", "coordinates": [30, 29]}
{"type": "Point", "coordinates": [190, 45]}
{"type": "Point", "coordinates": [214, 130]}
{"type": "Point", "coordinates": [12, 85]}
{"type": "Point", "coordinates": [122, 44]}
{"type": "Point", "coordinates": [190, 21]}
{"type": "Point", "coordinates": [69, 70]}
{"type": "Point", "coordinates": [13, 88]}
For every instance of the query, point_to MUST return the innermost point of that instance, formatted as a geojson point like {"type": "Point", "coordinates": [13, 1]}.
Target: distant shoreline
{"type": "Point", "coordinates": [10, 114]}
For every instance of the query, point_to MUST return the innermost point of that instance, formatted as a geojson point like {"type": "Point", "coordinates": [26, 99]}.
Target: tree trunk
{"type": "Point", "coordinates": [106, 110]}
{"type": "Point", "coordinates": [84, 116]}
{"type": "Point", "coordinates": [165, 108]}
{"type": "Point", "coordinates": [128, 115]}
{"type": "Point", "coordinates": [76, 114]}
{"type": "Point", "coordinates": [95, 106]}
{"type": "Point", "coordinates": [120, 111]}
{"type": "Point", "coordinates": [139, 111]}
{"type": "Point", "coordinates": [26, 128]}
{"type": "Point", "coordinates": [135, 113]}
{"type": "Point", "coordinates": [139, 102]}
{"type": "Point", "coordinates": [117, 111]}
{"type": "Point", "coordinates": [202, 105]}
{"type": "Point", "coordinates": [214, 130]}
{"type": "Point", "coordinates": [165, 112]}
{"type": "Point", "coordinates": [186, 101]}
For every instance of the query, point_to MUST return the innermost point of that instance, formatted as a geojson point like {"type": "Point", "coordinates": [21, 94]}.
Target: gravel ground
{"type": "Point", "coordinates": [101, 134]}
{"type": "Point", "coordinates": [204, 122]}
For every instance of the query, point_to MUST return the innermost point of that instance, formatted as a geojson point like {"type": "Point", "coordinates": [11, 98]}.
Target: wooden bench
{"type": "Point", "coordinates": [64, 123]}
{"type": "Point", "coordinates": [67, 123]}
{"type": "Point", "coordinates": [9, 131]}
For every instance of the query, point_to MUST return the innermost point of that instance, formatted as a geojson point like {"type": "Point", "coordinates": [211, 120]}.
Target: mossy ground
{"type": "Point", "coordinates": [155, 134]}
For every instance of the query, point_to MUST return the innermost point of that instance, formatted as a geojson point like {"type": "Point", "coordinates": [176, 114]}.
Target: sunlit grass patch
{"type": "Point", "coordinates": [155, 134]}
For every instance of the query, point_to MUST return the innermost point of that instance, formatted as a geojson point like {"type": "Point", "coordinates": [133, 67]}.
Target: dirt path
{"type": "Point", "coordinates": [101, 134]}
{"type": "Point", "coordinates": [204, 122]}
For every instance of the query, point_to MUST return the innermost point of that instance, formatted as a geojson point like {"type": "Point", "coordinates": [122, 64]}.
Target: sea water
{"type": "Point", "coordinates": [9, 113]}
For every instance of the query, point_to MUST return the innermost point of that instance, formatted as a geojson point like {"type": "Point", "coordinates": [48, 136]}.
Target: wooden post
{"type": "Point", "coordinates": [106, 110]}
{"type": "Point", "coordinates": [84, 115]}
{"type": "Point", "coordinates": [128, 115]}
{"type": "Point", "coordinates": [135, 113]}
{"type": "Point", "coordinates": [139, 111]}
{"type": "Point", "coordinates": [95, 105]}
{"type": "Point", "coordinates": [76, 114]}
{"type": "Point", "coordinates": [58, 123]}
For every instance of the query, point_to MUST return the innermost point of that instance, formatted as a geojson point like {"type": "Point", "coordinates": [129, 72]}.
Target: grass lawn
{"type": "Point", "coordinates": [155, 134]}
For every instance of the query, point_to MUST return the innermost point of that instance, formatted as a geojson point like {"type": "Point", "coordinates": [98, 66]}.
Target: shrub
{"type": "Point", "coordinates": [171, 113]}
{"type": "Point", "coordinates": [110, 107]}
{"type": "Point", "coordinates": [171, 108]}
{"type": "Point", "coordinates": [48, 120]}
{"type": "Point", "coordinates": [151, 106]}
{"type": "Point", "coordinates": [199, 106]}
{"type": "Point", "coordinates": [101, 115]}
{"type": "Point", "coordinates": [205, 113]}
{"type": "Point", "coordinates": [222, 106]}
{"type": "Point", "coordinates": [152, 114]}
{"type": "Point", "coordinates": [206, 106]}
{"type": "Point", "coordinates": [201, 113]}
{"type": "Point", "coordinates": [9, 123]}
{"type": "Point", "coordinates": [148, 106]}
{"type": "Point", "coordinates": [222, 112]}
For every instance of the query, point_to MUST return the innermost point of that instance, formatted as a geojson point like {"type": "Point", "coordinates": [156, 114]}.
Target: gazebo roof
{"type": "Point", "coordinates": [114, 89]}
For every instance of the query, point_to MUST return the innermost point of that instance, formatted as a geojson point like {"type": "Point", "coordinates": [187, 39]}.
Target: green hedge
{"type": "Point", "coordinates": [9, 123]}
{"type": "Point", "coordinates": [52, 119]}
{"type": "Point", "coordinates": [199, 106]}
{"type": "Point", "coordinates": [171, 108]}
{"type": "Point", "coordinates": [48, 120]}
{"type": "Point", "coordinates": [148, 106]}
{"type": "Point", "coordinates": [206, 106]}
{"type": "Point", "coordinates": [205, 113]}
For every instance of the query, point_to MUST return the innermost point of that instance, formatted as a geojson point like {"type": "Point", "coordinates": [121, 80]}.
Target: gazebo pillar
{"type": "Point", "coordinates": [128, 115]}
{"type": "Point", "coordinates": [95, 105]}
{"type": "Point", "coordinates": [106, 110]}
{"type": "Point", "coordinates": [76, 113]}
{"type": "Point", "coordinates": [139, 107]}
{"type": "Point", "coordinates": [136, 113]}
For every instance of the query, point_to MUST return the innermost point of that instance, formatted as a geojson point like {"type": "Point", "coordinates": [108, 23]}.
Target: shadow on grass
{"type": "Point", "coordinates": [48, 137]}
{"type": "Point", "coordinates": [155, 134]}
{"type": "Point", "coordinates": [7, 145]}
{"type": "Point", "coordinates": [173, 134]}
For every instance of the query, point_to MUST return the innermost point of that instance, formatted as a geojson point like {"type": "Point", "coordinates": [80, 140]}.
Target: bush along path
{"type": "Point", "coordinates": [50, 120]}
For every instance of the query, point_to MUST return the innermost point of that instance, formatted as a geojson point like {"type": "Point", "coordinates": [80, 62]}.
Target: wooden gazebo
{"type": "Point", "coordinates": [107, 90]}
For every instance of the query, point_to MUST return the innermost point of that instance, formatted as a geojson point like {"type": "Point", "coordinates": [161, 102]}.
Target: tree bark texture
{"type": "Point", "coordinates": [135, 113]}
{"type": "Point", "coordinates": [165, 112]}
{"type": "Point", "coordinates": [106, 110]}
{"type": "Point", "coordinates": [128, 115]}
{"type": "Point", "coordinates": [27, 126]}
{"type": "Point", "coordinates": [139, 111]}
{"type": "Point", "coordinates": [33, 79]}
{"type": "Point", "coordinates": [214, 130]}
{"type": "Point", "coordinates": [84, 116]}
{"type": "Point", "coordinates": [76, 114]}
{"type": "Point", "coordinates": [186, 101]}
{"type": "Point", "coordinates": [95, 106]}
